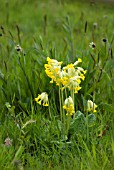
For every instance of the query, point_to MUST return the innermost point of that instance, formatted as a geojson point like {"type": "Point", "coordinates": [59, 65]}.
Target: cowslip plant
{"type": "Point", "coordinates": [68, 79]}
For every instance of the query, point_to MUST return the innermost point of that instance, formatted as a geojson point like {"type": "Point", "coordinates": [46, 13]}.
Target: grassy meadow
{"type": "Point", "coordinates": [69, 43]}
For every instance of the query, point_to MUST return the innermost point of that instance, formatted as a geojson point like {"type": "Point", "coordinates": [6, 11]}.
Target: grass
{"type": "Point", "coordinates": [61, 30]}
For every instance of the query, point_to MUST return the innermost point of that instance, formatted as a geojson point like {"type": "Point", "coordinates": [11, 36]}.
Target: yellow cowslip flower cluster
{"type": "Point", "coordinates": [53, 70]}
{"type": "Point", "coordinates": [42, 99]}
{"type": "Point", "coordinates": [69, 76]}
{"type": "Point", "coordinates": [69, 106]}
{"type": "Point", "coordinates": [91, 106]}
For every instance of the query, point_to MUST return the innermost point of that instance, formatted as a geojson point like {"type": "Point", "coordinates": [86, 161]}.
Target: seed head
{"type": "Point", "coordinates": [8, 142]}
{"type": "Point", "coordinates": [95, 25]}
{"type": "Point", "coordinates": [92, 45]}
{"type": "Point", "coordinates": [104, 40]}
{"type": "Point", "coordinates": [18, 48]}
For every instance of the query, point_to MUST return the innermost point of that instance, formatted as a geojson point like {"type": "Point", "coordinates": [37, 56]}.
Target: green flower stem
{"type": "Point", "coordinates": [87, 126]}
{"type": "Point", "coordinates": [65, 93]}
{"type": "Point", "coordinates": [72, 94]}
{"type": "Point", "coordinates": [63, 112]}
{"type": "Point", "coordinates": [60, 101]}
{"type": "Point", "coordinates": [50, 111]}
{"type": "Point", "coordinates": [68, 123]}
{"type": "Point", "coordinates": [69, 116]}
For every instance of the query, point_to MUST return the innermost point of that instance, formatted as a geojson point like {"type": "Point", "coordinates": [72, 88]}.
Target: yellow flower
{"type": "Point", "coordinates": [42, 99]}
{"type": "Point", "coordinates": [85, 71]}
{"type": "Point", "coordinates": [79, 61]}
{"type": "Point", "coordinates": [69, 106]}
{"type": "Point", "coordinates": [53, 70]}
{"type": "Point", "coordinates": [69, 70]}
{"type": "Point", "coordinates": [69, 76]}
{"type": "Point", "coordinates": [77, 89]}
{"type": "Point", "coordinates": [71, 82]}
{"type": "Point", "coordinates": [80, 69]}
{"type": "Point", "coordinates": [82, 76]}
{"type": "Point", "coordinates": [91, 106]}
{"type": "Point", "coordinates": [72, 75]}
{"type": "Point", "coordinates": [53, 61]}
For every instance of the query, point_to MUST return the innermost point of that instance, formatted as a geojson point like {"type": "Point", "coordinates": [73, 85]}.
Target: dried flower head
{"type": "Point", "coordinates": [95, 25]}
{"type": "Point", "coordinates": [8, 142]}
{"type": "Point", "coordinates": [18, 48]}
{"type": "Point", "coordinates": [92, 45]}
{"type": "Point", "coordinates": [104, 40]}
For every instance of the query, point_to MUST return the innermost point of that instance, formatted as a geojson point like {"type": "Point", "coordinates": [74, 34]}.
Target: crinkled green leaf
{"type": "Point", "coordinates": [91, 120]}
{"type": "Point", "coordinates": [78, 123]}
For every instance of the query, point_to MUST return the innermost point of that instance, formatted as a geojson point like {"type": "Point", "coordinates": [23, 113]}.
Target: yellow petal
{"type": "Point", "coordinates": [79, 60]}
{"type": "Point", "coordinates": [36, 99]}
{"type": "Point", "coordinates": [39, 102]}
